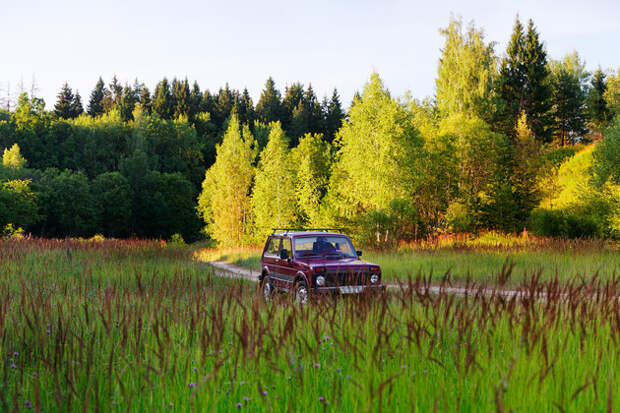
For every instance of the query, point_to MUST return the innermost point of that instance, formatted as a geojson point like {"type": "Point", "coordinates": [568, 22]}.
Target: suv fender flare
{"type": "Point", "coordinates": [301, 276]}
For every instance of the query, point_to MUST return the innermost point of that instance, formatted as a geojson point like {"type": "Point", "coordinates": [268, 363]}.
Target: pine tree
{"type": "Point", "coordinates": [12, 158]}
{"type": "Point", "coordinates": [273, 196]}
{"type": "Point", "coordinates": [334, 116]}
{"type": "Point", "coordinates": [162, 100]}
{"type": "Point", "coordinates": [76, 106]}
{"type": "Point", "coordinates": [269, 107]}
{"type": "Point", "coordinates": [95, 104]}
{"type": "Point", "coordinates": [224, 203]}
{"type": "Point", "coordinates": [64, 105]}
{"type": "Point", "coordinates": [597, 107]}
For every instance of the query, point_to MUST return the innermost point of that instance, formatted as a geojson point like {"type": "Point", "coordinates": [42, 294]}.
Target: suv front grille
{"type": "Point", "coordinates": [347, 278]}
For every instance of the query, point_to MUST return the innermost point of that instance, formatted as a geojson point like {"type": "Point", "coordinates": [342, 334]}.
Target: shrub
{"type": "Point", "coordinates": [561, 223]}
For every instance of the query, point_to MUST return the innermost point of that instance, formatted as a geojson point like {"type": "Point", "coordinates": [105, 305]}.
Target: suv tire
{"type": "Point", "coordinates": [267, 289]}
{"type": "Point", "coordinates": [301, 292]}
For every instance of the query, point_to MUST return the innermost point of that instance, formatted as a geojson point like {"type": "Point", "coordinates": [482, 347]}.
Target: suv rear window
{"type": "Point", "coordinates": [273, 247]}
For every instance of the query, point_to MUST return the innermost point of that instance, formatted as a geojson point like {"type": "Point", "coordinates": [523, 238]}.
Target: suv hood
{"type": "Point", "coordinates": [334, 264]}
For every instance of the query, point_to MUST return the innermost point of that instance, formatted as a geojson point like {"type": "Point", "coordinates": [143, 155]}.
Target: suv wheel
{"type": "Point", "coordinates": [301, 292]}
{"type": "Point", "coordinates": [267, 289]}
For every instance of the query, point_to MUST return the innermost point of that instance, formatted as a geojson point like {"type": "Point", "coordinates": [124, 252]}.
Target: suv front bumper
{"type": "Point", "coordinates": [349, 289]}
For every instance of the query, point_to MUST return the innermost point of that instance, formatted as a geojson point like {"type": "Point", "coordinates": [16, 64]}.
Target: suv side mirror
{"type": "Point", "coordinates": [359, 253]}
{"type": "Point", "coordinates": [284, 254]}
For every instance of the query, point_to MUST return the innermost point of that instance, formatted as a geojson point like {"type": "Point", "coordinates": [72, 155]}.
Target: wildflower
{"type": "Point", "coordinates": [241, 382]}
{"type": "Point", "coordinates": [239, 405]}
{"type": "Point", "coordinates": [317, 366]}
{"type": "Point", "coordinates": [264, 392]}
{"type": "Point", "coordinates": [13, 366]}
{"type": "Point", "coordinates": [16, 354]}
{"type": "Point", "coordinates": [339, 371]}
{"type": "Point", "coordinates": [326, 338]}
{"type": "Point", "coordinates": [192, 384]}
{"type": "Point", "coordinates": [171, 404]}
{"type": "Point", "coordinates": [321, 399]}
{"type": "Point", "coordinates": [404, 366]}
{"type": "Point", "coordinates": [246, 399]}
{"type": "Point", "coordinates": [35, 374]}
{"type": "Point", "coordinates": [195, 368]}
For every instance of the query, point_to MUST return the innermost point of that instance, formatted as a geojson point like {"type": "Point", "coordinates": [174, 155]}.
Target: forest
{"type": "Point", "coordinates": [512, 140]}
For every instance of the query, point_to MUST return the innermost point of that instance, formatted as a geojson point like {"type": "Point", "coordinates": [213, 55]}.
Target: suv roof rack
{"type": "Point", "coordinates": [285, 230]}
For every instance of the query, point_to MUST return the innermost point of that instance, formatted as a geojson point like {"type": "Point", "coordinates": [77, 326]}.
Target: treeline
{"type": "Point", "coordinates": [484, 152]}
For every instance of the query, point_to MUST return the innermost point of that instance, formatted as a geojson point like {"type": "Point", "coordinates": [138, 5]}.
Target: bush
{"type": "Point", "coordinates": [561, 223]}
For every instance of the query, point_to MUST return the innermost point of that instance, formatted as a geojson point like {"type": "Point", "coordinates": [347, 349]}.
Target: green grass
{"type": "Point", "coordinates": [138, 326]}
{"type": "Point", "coordinates": [483, 263]}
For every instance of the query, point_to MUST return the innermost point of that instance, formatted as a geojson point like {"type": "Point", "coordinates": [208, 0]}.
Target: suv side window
{"type": "Point", "coordinates": [286, 245]}
{"type": "Point", "coordinates": [273, 247]}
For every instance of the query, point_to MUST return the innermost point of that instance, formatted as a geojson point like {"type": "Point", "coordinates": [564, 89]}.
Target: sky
{"type": "Point", "coordinates": [332, 43]}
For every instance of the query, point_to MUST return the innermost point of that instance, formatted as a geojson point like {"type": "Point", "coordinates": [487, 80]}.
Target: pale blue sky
{"type": "Point", "coordinates": [331, 44]}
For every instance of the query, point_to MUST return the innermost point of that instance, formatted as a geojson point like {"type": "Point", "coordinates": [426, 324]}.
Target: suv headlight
{"type": "Point", "coordinates": [320, 281]}
{"type": "Point", "coordinates": [374, 278]}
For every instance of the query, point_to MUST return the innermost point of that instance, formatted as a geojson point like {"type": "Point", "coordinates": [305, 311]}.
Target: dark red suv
{"type": "Point", "coordinates": [317, 260]}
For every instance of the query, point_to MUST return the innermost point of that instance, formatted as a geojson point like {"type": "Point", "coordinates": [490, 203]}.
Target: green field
{"type": "Point", "coordinates": [139, 326]}
{"type": "Point", "coordinates": [482, 262]}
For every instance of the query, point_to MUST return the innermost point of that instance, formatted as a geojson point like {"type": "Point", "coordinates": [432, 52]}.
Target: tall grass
{"type": "Point", "coordinates": [136, 326]}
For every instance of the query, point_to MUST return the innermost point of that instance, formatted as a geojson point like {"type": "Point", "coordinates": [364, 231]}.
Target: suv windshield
{"type": "Point", "coordinates": [324, 245]}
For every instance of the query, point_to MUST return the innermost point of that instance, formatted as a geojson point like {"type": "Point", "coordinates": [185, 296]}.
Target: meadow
{"type": "Point", "coordinates": [140, 326]}
{"type": "Point", "coordinates": [481, 258]}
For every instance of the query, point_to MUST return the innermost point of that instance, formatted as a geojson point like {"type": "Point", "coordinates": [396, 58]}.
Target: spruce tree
{"type": "Point", "coordinates": [64, 105]}
{"type": "Point", "coordinates": [127, 104]}
{"type": "Point", "coordinates": [537, 91]}
{"type": "Point", "coordinates": [524, 82]}
{"type": "Point", "coordinates": [334, 116]}
{"type": "Point", "coordinates": [597, 107]}
{"type": "Point", "coordinates": [162, 100]}
{"type": "Point", "coordinates": [293, 94]}
{"type": "Point", "coordinates": [568, 120]}
{"type": "Point", "coordinates": [244, 108]}
{"type": "Point", "coordinates": [145, 99]}
{"type": "Point", "coordinates": [182, 99]}
{"type": "Point", "coordinates": [76, 106]}
{"type": "Point", "coordinates": [223, 106]}
{"type": "Point", "coordinates": [95, 103]}
{"type": "Point", "coordinates": [195, 102]}
{"type": "Point", "coordinates": [269, 107]}
{"type": "Point", "coordinates": [314, 112]}
{"type": "Point", "coordinates": [117, 91]}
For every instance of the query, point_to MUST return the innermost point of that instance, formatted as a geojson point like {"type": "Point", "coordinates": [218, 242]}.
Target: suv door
{"type": "Point", "coordinates": [271, 256]}
{"type": "Point", "coordinates": [288, 267]}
